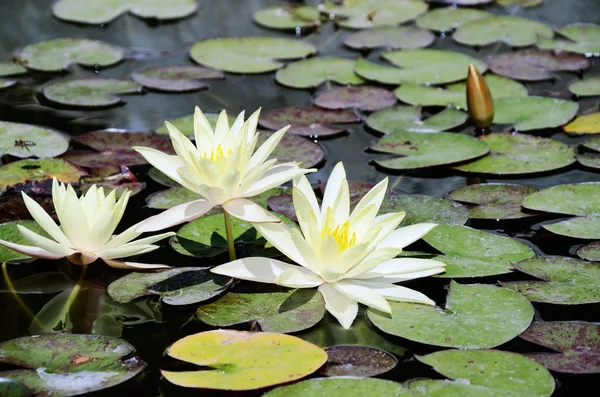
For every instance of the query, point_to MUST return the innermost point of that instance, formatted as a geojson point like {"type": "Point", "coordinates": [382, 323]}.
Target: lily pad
{"type": "Point", "coordinates": [308, 121]}
{"type": "Point", "coordinates": [422, 209]}
{"type": "Point", "coordinates": [577, 344]}
{"type": "Point", "coordinates": [589, 159]}
{"type": "Point", "coordinates": [288, 18]}
{"type": "Point", "coordinates": [359, 361]}
{"type": "Point", "coordinates": [175, 78]}
{"type": "Point", "coordinates": [567, 281]}
{"type": "Point", "coordinates": [37, 170]}
{"type": "Point", "coordinates": [59, 54]}
{"type": "Point", "coordinates": [592, 144]}
{"type": "Point", "coordinates": [582, 125]}
{"type": "Point", "coordinates": [244, 360]}
{"type": "Point", "coordinates": [492, 373]}
{"type": "Point", "coordinates": [584, 38]}
{"type": "Point", "coordinates": [283, 204]}
{"type": "Point", "coordinates": [535, 65]}
{"type": "Point", "coordinates": [421, 66]}
{"type": "Point", "coordinates": [455, 94]}
{"type": "Point", "coordinates": [13, 207]}
{"type": "Point", "coordinates": [276, 309]}
{"type": "Point", "coordinates": [474, 253]}
{"type": "Point", "coordinates": [12, 388]}
{"type": "Point", "coordinates": [313, 72]}
{"type": "Point", "coordinates": [497, 201]}
{"type": "Point", "coordinates": [390, 37]}
{"type": "Point", "coordinates": [185, 124]}
{"type": "Point", "coordinates": [103, 11]}
{"type": "Point", "coordinates": [512, 30]}
{"type": "Point", "coordinates": [165, 199]}
{"type": "Point", "coordinates": [590, 251]}
{"type": "Point", "coordinates": [25, 140]}
{"type": "Point", "coordinates": [180, 286]}
{"type": "Point", "coordinates": [70, 364]}
{"type": "Point", "coordinates": [520, 154]}
{"type": "Point", "coordinates": [361, 14]}
{"type": "Point", "coordinates": [8, 69]}
{"type": "Point", "coordinates": [399, 119]}
{"type": "Point", "coordinates": [249, 54]}
{"type": "Point", "coordinates": [10, 232]}
{"type": "Point", "coordinates": [587, 227]}
{"type": "Point", "coordinates": [428, 150]}
{"type": "Point", "coordinates": [341, 386]}
{"type": "Point", "coordinates": [586, 87]}
{"type": "Point", "coordinates": [477, 316]}
{"type": "Point", "coordinates": [521, 3]}
{"type": "Point", "coordinates": [449, 18]}
{"type": "Point", "coordinates": [534, 112]}
{"type": "Point", "coordinates": [89, 92]}
{"type": "Point", "coordinates": [120, 181]}
{"type": "Point", "coordinates": [296, 149]}
{"type": "Point", "coordinates": [366, 97]}
{"type": "Point", "coordinates": [569, 199]}
{"type": "Point", "coordinates": [465, 3]}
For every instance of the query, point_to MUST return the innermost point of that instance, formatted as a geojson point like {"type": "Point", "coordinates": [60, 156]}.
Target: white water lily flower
{"type": "Point", "coordinates": [349, 256]}
{"type": "Point", "coordinates": [222, 167]}
{"type": "Point", "coordinates": [86, 229]}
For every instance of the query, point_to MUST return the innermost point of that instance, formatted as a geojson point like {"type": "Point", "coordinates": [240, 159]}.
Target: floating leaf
{"type": "Point", "coordinates": [70, 364]}
{"type": "Point", "coordinates": [483, 373]}
{"type": "Point", "coordinates": [366, 97]}
{"type": "Point", "coordinates": [423, 66]}
{"type": "Point", "coordinates": [175, 78]}
{"type": "Point", "coordinates": [512, 30]}
{"type": "Point", "coordinates": [455, 94]}
{"type": "Point", "coordinates": [243, 360]}
{"type": "Point", "coordinates": [341, 386]}
{"type": "Point", "coordinates": [89, 92]}
{"type": "Point", "coordinates": [567, 281]}
{"type": "Point", "coordinates": [59, 54]}
{"type": "Point", "coordinates": [185, 124]}
{"type": "Point", "coordinates": [407, 118]}
{"type": "Point", "coordinates": [586, 87]}
{"type": "Point", "coordinates": [585, 39]}
{"type": "Point", "coordinates": [165, 199]}
{"type": "Point", "coordinates": [37, 170]}
{"type": "Point", "coordinates": [276, 309]}
{"type": "Point", "coordinates": [293, 148]}
{"type": "Point", "coordinates": [390, 37]}
{"type": "Point", "coordinates": [428, 150]}
{"type": "Point", "coordinates": [474, 253]}
{"type": "Point", "coordinates": [461, 2]}
{"type": "Point", "coordinates": [248, 54]}
{"type": "Point", "coordinates": [577, 344]}
{"type": "Point", "coordinates": [120, 181]}
{"type": "Point", "coordinates": [180, 286]}
{"type": "Point", "coordinates": [590, 251]}
{"type": "Point", "coordinates": [360, 361]}
{"type": "Point", "coordinates": [519, 154]}
{"type": "Point", "coordinates": [535, 65]}
{"type": "Point", "coordinates": [361, 14]}
{"type": "Point", "coordinates": [12, 388]}
{"type": "Point", "coordinates": [589, 159]}
{"type": "Point", "coordinates": [313, 72]}
{"type": "Point", "coordinates": [522, 3]}
{"type": "Point", "coordinates": [422, 209]}
{"type": "Point", "coordinates": [13, 207]}
{"type": "Point", "coordinates": [307, 121]}
{"type": "Point", "coordinates": [534, 112]}
{"type": "Point", "coordinates": [9, 69]}
{"type": "Point", "coordinates": [587, 227]}
{"type": "Point", "coordinates": [586, 124]}
{"type": "Point", "coordinates": [283, 204]}
{"type": "Point", "coordinates": [497, 201]}
{"type": "Point", "coordinates": [25, 140]}
{"type": "Point", "coordinates": [10, 232]}
{"type": "Point", "coordinates": [103, 11]}
{"type": "Point", "coordinates": [449, 18]}
{"type": "Point", "coordinates": [569, 199]}
{"type": "Point", "coordinates": [288, 18]}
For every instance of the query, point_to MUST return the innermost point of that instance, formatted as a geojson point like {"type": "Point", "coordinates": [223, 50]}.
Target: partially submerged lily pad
{"type": "Point", "coordinates": [513, 30]}
{"type": "Point", "coordinates": [89, 92]}
{"type": "Point", "coordinates": [477, 316]}
{"type": "Point", "coordinates": [288, 17]}
{"type": "Point", "coordinates": [308, 121]}
{"type": "Point", "coordinates": [534, 112]}
{"type": "Point", "coordinates": [59, 54]}
{"type": "Point", "coordinates": [355, 360]}
{"type": "Point", "coordinates": [390, 37]}
{"type": "Point", "coordinates": [587, 227]}
{"type": "Point", "coordinates": [25, 140]}
{"type": "Point", "coordinates": [313, 72]}
{"type": "Point", "coordinates": [243, 360]}
{"type": "Point", "coordinates": [10, 232]}
{"type": "Point", "coordinates": [590, 251]}
{"type": "Point", "coordinates": [365, 97]}
{"type": "Point", "coordinates": [249, 54]}
{"type": "Point", "coordinates": [584, 38]}
{"type": "Point", "coordinates": [567, 281]}
{"type": "Point", "coordinates": [585, 124]}
{"type": "Point", "coordinates": [175, 78]}
{"type": "Point", "coordinates": [407, 118]}
{"type": "Point", "coordinates": [586, 87]}
{"type": "Point", "coordinates": [341, 386]}
{"type": "Point", "coordinates": [361, 14]}
{"type": "Point", "coordinates": [576, 343]}
{"type": "Point", "coordinates": [569, 199]}
{"type": "Point", "coordinates": [37, 170]}
{"type": "Point", "coordinates": [449, 18]}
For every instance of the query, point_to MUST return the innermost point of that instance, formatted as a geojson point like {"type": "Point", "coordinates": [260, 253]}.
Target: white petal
{"type": "Point", "coordinates": [44, 220]}
{"type": "Point", "coordinates": [44, 243]}
{"type": "Point", "coordinates": [222, 126]}
{"type": "Point", "coordinates": [125, 251]}
{"type": "Point", "coordinates": [199, 118]}
{"type": "Point", "coordinates": [279, 235]}
{"type": "Point", "coordinates": [374, 197]}
{"type": "Point", "coordinates": [344, 309]}
{"type": "Point", "coordinates": [166, 163]}
{"type": "Point", "coordinates": [35, 252]}
{"type": "Point", "coordinates": [276, 176]}
{"type": "Point", "coordinates": [400, 266]}
{"type": "Point", "coordinates": [151, 239]}
{"type": "Point", "coordinates": [399, 278]}
{"type": "Point", "coordinates": [407, 235]}
{"type": "Point", "coordinates": [266, 148]}
{"type": "Point", "coordinates": [174, 216]}
{"type": "Point", "coordinates": [333, 188]}
{"type": "Point", "coordinates": [248, 211]}
{"type": "Point", "coordinates": [373, 259]}
{"type": "Point", "coordinates": [133, 265]}
{"type": "Point", "coordinates": [310, 260]}
{"type": "Point", "coordinates": [303, 185]}
{"type": "Point", "coordinates": [308, 219]}
{"type": "Point", "coordinates": [74, 221]}
{"type": "Point", "coordinates": [363, 294]}
{"type": "Point", "coordinates": [395, 292]}
{"type": "Point", "coordinates": [298, 278]}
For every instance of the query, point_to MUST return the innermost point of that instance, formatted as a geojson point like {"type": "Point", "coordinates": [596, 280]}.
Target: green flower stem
{"type": "Point", "coordinates": [229, 233]}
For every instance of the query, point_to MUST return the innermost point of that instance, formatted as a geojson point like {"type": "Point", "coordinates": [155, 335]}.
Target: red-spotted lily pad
{"type": "Point", "coordinates": [59, 54]}
{"type": "Point", "coordinates": [566, 281]}
{"type": "Point", "coordinates": [513, 30]}
{"type": "Point", "coordinates": [70, 364]}
{"type": "Point", "coordinates": [408, 118]}
{"type": "Point", "coordinates": [590, 251]}
{"type": "Point", "coordinates": [361, 14]}
{"type": "Point", "coordinates": [586, 87]}
{"type": "Point", "coordinates": [534, 112]}
{"type": "Point", "coordinates": [175, 78]}
{"type": "Point", "coordinates": [356, 360]}
{"type": "Point", "coordinates": [576, 343]}
{"type": "Point", "coordinates": [390, 37]}
{"type": "Point", "coordinates": [37, 170]}
{"type": "Point", "coordinates": [583, 38]}
{"type": "Point", "coordinates": [289, 17]}
{"type": "Point", "coordinates": [367, 98]}
{"type": "Point", "coordinates": [89, 92]}
{"type": "Point", "coordinates": [10, 232]}
{"type": "Point", "coordinates": [569, 199]}
{"type": "Point", "coordinates": [236, 360]}
{"type": "Point", "coordinates": [535, 65]}
{"type": "Point", "coordinates": [312, 122]}
{"type": "Point", "coordinates": [25, 140]}
{"type": "Point", "coordinates": [586, 227]}
{"type": "Point", "coordinates": [313, 72]}
{"type": "Point", "coordinates": [449, 18]}
{"type": "Point", "coordinates": [341, 386]}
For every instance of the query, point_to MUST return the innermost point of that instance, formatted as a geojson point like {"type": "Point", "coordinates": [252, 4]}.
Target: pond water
{"type": "Point", "coordinates": [150, 326]}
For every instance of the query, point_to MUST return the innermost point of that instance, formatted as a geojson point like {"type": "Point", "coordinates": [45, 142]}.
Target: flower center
{"type": "Point", "coordinates": [217, 153]}
{"type": "Point", "coordinates": [341, 235]}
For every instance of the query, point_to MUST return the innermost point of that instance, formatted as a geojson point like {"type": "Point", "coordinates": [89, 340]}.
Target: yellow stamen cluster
{"type": "Point", "coordinates": [217, 153]}
{"type": "Point", "coordinates": [341, 236]}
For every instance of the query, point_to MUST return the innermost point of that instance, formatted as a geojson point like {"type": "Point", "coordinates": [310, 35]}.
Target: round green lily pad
{"type": "Point", "coordinates": [165, 199]}
{"type": "Point", "coordinates": [59, 54]}
{"type": "Point", "coordinates": [589, 159]}
{"type": "Point", "coordinates": [288, 17]}
{"type": "Point", "coordinates": [566, 281]}
{"type": "Point", "coordinates": [175, 78]}
{"type": "Point", "coordinates": [584, 38]}
{"type": "Point", "coordinates": [89, 92]}
{"type": "Point", "coordinates": [589, 251]}
{"type": "Point", "coordinates": [474, 253]}
{"type": "Point", "coordinates": [491, 373]}
{"type": "Point", "coordinates": [428, 150]}
{"type": "Point", "coordinates": [37, 170]}
{"type": "Point", "coordinates": [361, 14]}
{"type": "Point", "coordinates": [407, 118]}
{"type": "Point", "coordinates": [10, 232]}
{"type": "Point", "coordinates": [586, 87]}
{"type": "Point", "coordinates": [249, 54]}
{"type": "Point", "coordinates": [313, 72]}
{"type": "Point", "coordinates": [390, 37]}
{"type": "Point", "coordinates": [276, 309]}
{"type": "Point", "coordinates": [513, 30]}
{"type": "Point", "coordinates": [12, 388]}
{"type": "Point", "coordinates": [364, 97]}
{"type": "Point", "coordinates": [587, 227]}
{"type": "Point", "coordinates": [25, 140]}
{"type": "Point", "coordinates": [422, 209]}
{"type": "Point", "coordinates": [185, 124]}
{"type": "Point", "coordinates": [341, 386]}
{"type": "Point", "coordinates": [64, 364]}
{"type": "Point", "coordinates": [238, 360]}
{"type": "Point", "coordinates": [534, 112]}
{"type": "Point", "coordinates": [103, 11]}
{"type": "Point", "coordinates": [356, 360]}
{"type": "Point", "coordinates": [9, 69]}
{"type": "Point", "coordinates": [307, 121]}
{"type": "Point", "coordinates": [449, 18]}
{"type": "Point", "coordinates": [497, 201]}
{"type": "Point", "coordinates": [421, 66]}
{"type": "Point", "coordinates": [576, 343]}
{"type": "Point", "coordinates": [592, 144]}
{"type": "Point", "coordinates": [519, 154]}
{"type": "Point", "coordinates": [456, 94]}
{"type": "Point", "coordinates": [569, 199]}
{"type": "Point", "coordinates": [477, 316]}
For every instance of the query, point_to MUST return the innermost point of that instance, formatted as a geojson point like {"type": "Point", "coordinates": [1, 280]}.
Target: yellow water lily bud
{"type": "Point", "coordinates": [480, 103]}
